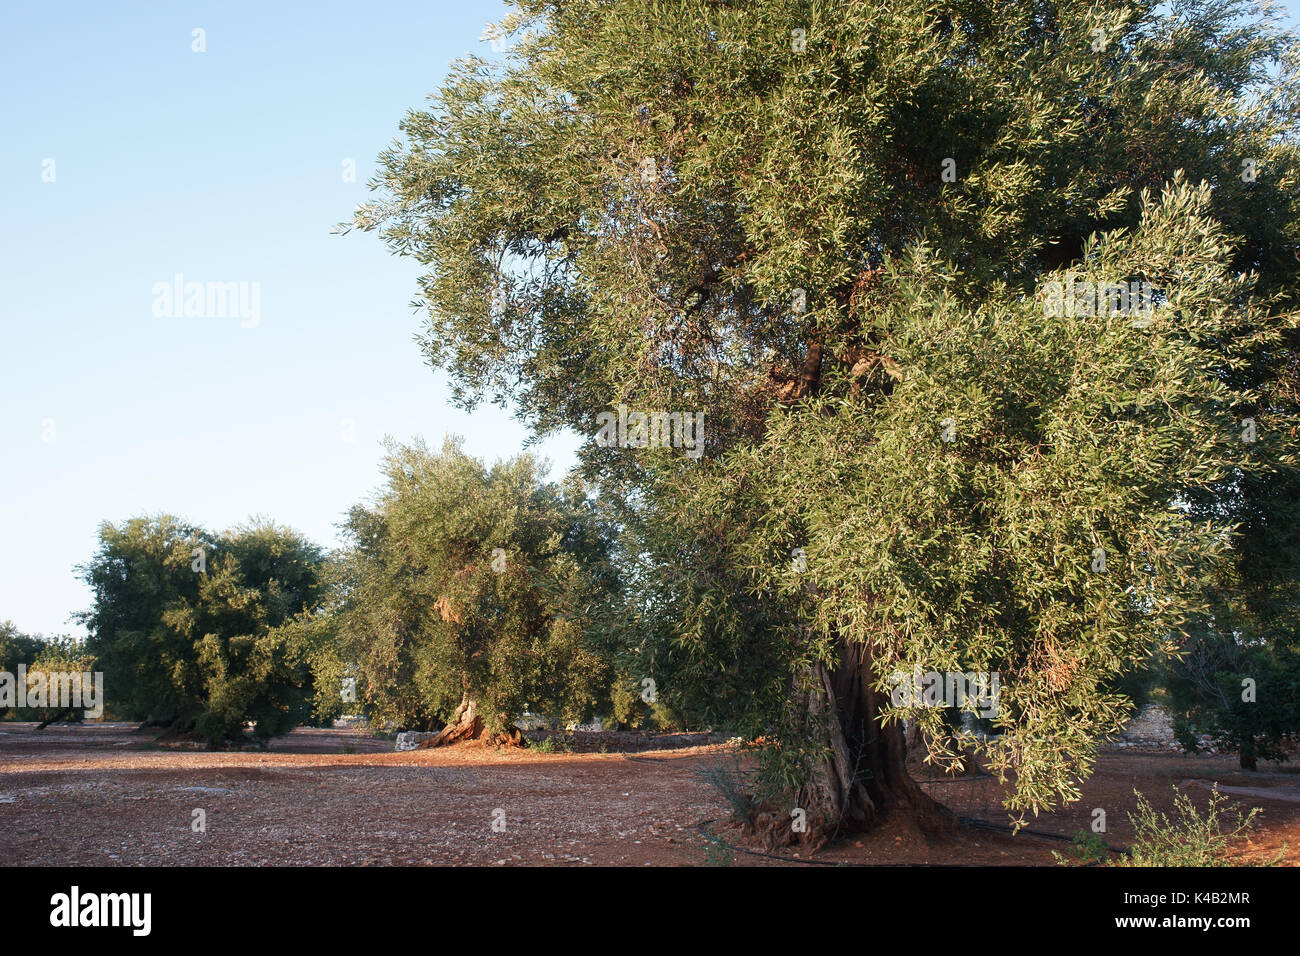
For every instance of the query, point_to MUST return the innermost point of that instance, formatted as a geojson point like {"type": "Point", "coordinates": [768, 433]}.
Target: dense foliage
{"type": "Point", "coordinates": [464, 582]}
{"type": "Point", "coordinates": [188, 625]}
{"type": "Point", "coordinates": [41, 655]}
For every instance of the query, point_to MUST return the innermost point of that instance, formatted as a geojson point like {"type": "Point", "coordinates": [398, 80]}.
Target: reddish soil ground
{"type": "Point", "coordinates": [107, 794]}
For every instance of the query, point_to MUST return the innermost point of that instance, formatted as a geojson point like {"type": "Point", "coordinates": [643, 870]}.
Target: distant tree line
{"type": "Point", "coordinates": [466, 595]}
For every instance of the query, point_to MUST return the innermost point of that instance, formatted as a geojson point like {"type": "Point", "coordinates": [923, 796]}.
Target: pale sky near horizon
{"type": "Point", "coordinates": [220, 166]}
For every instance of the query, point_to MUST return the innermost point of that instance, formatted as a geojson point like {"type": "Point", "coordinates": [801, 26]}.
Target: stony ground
{"type": "Point", "coordinates": [107, 794]}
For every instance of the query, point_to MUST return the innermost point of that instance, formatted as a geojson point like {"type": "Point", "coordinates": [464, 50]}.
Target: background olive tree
{"type": "Point", "coordinates": [187, 625]}
{"type": "Point", "coordinates": [465, 595]}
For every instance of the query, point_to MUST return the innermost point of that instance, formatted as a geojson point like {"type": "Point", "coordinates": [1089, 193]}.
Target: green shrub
{"type": "Point", "coordinates": [1189, 839]}
{"type": "Point", "coordinates": [1086, 847]}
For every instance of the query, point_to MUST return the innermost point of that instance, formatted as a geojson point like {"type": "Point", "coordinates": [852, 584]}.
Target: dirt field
{"type": "Point", "coordinates": [108, 795]}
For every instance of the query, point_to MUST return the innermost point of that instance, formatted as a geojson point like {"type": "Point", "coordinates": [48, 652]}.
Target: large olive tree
{"type": "Point", "coordinates": [831, 227]}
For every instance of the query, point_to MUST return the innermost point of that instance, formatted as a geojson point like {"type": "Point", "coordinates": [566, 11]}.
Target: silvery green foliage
{"type": "Point", "coordinates": [561, 277]}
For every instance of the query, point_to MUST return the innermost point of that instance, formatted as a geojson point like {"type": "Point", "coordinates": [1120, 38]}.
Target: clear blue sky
{"type": "Point", "coordinates": [222, 166]}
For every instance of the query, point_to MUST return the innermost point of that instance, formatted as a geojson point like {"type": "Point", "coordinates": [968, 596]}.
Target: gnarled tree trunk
{"type": "Point", "coordinates": [865, 778]}
{"type": "Point", "coordinates": [465, 724]}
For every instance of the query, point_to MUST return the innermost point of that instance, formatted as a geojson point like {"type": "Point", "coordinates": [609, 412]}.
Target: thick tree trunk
{"type": "Point", "coordinates": [865, 778]}
{"type": "Point", "coordinates": [465, 724]}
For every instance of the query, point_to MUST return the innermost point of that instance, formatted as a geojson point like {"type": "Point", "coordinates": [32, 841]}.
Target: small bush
{"type": "Point", "coordinates": [1189, 839]}
{"type": "Point", "coordinates": [1086, 847]}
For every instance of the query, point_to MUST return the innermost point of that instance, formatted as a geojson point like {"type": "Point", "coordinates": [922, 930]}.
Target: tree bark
{"type": "Point", "coordinates": [864, 779]}
{"type": "Point", "coordinates": [465, 724]}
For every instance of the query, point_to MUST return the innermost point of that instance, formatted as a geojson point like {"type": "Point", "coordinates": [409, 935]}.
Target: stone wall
{"type": "Point", "coordinates": [411, 739]}
{"type": "Point", "coordinates": [1153, 727]}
